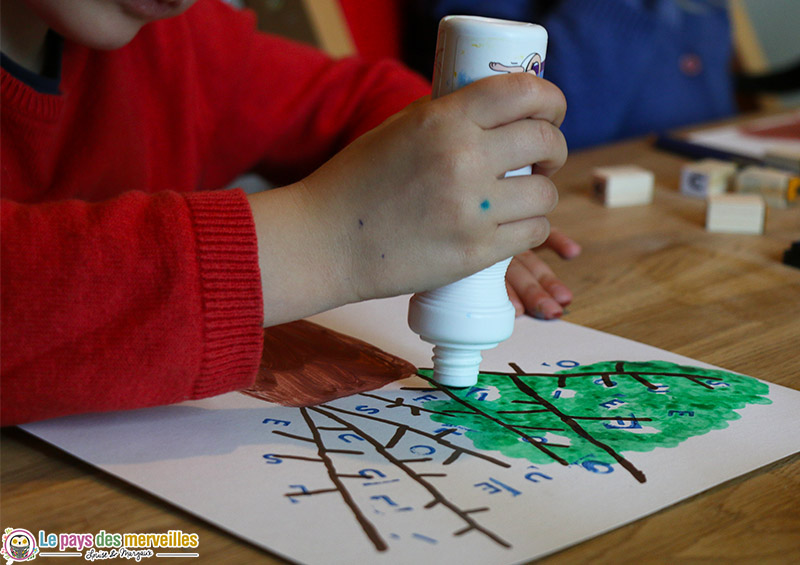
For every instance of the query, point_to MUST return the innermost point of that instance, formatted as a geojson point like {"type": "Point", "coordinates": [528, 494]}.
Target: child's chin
{"type": "Point", "coordinates": [106, 25]}
{"type": "Point", "coordinates": [109, 38]}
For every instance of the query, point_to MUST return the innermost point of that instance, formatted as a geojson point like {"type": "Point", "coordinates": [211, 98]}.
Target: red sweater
{"type": "Point", "coordinates": [125, 282]}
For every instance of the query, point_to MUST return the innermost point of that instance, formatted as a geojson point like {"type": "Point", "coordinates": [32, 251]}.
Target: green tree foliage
{"type": "Point", "coordinates": [596, 412]}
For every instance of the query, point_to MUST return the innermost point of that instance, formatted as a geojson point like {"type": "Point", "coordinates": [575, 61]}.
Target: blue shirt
{"type": "Point", "coordinates": [626, 67]}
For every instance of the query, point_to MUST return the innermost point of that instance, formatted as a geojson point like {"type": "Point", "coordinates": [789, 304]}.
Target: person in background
{"type": "Point", "coordinates": [626, 67]}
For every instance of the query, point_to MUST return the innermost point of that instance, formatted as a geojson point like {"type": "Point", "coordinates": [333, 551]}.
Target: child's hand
{"type": "Point", "coordinates": [418, 202]}
{"type": "Point", "coordinates": [532, 285]}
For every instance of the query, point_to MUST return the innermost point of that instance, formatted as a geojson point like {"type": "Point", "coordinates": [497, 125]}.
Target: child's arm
{"type": "Point", "coordinates": [134, 301]}
{"type": "Point", "coordinates": [402, 209]}
{"type": "Point", "coordinates": [150, 299]}
{"type": "Point", "coordinates": [120, 294]}
{"type": "Point", "coordinates": [319, 106]}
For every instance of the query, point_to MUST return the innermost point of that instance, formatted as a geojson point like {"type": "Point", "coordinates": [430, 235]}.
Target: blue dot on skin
{"type": "Point", "coordinates": [485, 205]}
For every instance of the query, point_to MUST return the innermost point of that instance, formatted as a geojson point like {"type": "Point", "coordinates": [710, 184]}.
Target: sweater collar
{"type": "Point", "coordinates": [36, 95]}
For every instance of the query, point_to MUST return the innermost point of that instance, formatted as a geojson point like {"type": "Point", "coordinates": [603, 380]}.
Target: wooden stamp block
{"type": "Point", "coordinates": [779, 188]}
{"type": "Point", "coordinates": [735, 213]}
{"type": "Point", "coordinates": [626, 185]}
{"type": "Point", "coordinates": [704, 178]}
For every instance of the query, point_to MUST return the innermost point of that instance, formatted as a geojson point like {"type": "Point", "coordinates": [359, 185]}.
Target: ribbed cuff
{"type": "Point", "coordinates": [19, 97]}
{"type": "Point", "coordinates": [230, 283]}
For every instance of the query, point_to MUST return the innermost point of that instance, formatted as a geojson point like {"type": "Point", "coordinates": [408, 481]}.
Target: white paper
{"type": "Point", "coordinates": [426, 493]}
{"type": "Point", "coordinates": [736, 139]}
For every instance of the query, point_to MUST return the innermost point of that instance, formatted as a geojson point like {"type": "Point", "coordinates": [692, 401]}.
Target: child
{"type": "Point", "coordinates": [127, 283]}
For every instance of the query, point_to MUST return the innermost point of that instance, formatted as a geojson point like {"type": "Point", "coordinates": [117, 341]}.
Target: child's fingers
{"type": "Point", "coordinates": [519, 198]}
{"type": "Point", "coordinates": [495, 101]}
{"type": "Point", "coordinates": [526, 142]}
{"type": "Point", "coordinates": [533, 298]}
{"type": "Point", "coordinates": [530, 262]}
{"type": "Point", "coordinates": [565, 246]}
{"type": "Point", "coordinates": [537, 288]}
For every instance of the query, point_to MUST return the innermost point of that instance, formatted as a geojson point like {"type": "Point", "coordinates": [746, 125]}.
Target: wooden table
{"type": "Point", "coordinates": [648, 273]}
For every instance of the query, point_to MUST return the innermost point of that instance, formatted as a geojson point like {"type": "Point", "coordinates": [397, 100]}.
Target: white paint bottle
{"type": "Point", "coordinates": [474, 314]}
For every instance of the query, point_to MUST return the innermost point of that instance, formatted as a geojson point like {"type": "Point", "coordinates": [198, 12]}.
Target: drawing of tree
{"type": "Point", "coordinates": [386, 454]}
{"type": "Point", "coordinates": [585, 415]}
{"type": "Point", "coordinates": [591, 414]}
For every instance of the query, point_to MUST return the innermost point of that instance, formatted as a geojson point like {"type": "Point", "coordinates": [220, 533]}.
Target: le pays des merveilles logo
{"type": "Point", "coordinates": [18, 545]}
